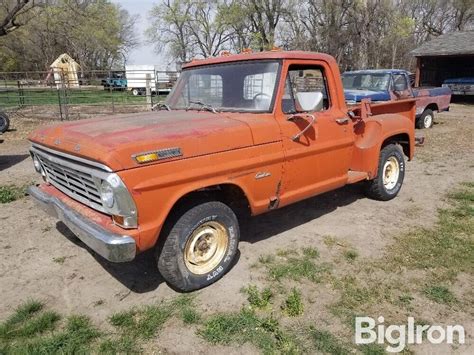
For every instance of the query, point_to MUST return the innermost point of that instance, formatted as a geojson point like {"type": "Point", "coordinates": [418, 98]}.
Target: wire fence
{"type": "Point", "coordinates": [69, 95]}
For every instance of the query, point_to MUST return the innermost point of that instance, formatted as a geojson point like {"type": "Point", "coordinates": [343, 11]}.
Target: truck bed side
{"type": "Point", "coordinates": [436, 99]}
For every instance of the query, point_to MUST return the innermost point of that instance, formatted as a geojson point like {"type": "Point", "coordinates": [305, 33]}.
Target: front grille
{"type": "Point", "coordinates": [73, 179]}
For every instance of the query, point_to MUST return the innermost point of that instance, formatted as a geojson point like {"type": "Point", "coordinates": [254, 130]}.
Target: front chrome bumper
{"type": "Point", "coordinates": [113, 247]}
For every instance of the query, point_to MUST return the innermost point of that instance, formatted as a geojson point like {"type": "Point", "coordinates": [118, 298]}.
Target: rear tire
{"type": "Point", "coordinates": [200, 246]}
{"type": "Point", "coordinates": [135, 92]}
{"type": "Point", "coordinates": [390, 174]}
{"type": "Point", "coordinates": [426, 119]}
{"type": "Point", "coordinates": [4, 122]}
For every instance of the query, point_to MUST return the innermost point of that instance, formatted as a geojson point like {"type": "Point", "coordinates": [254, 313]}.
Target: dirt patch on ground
{"type": "Point", "coordinates": [41, 259]}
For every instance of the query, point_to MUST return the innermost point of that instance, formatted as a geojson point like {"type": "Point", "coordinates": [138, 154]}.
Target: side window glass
{"type": "Point", "coordinates": [399, 82]}
{"type": "Point", "coordinates": [303, 79]}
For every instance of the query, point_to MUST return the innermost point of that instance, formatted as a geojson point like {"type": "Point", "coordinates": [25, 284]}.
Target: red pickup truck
{"type": "Point", "coordinates": [238, 135]}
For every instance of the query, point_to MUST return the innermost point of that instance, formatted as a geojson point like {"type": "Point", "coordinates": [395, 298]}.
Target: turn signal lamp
{"type": "Point", "coordinates": [147, 157]}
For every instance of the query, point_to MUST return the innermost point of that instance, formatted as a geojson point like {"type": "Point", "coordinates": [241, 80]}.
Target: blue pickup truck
{"type": "Point", "coordinates": [395, 84]}
{"type": "Point", "coordinates": [460, 86]}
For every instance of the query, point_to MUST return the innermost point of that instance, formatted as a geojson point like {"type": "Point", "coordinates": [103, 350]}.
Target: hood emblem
{"type": "Point", "coordinates": [147, 157]}
{"type": "Point", "coordinates": [77, 148]}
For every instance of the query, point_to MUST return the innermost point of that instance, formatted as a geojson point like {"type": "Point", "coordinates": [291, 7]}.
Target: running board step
{"type": "Point", "coordinates": [356, 176]}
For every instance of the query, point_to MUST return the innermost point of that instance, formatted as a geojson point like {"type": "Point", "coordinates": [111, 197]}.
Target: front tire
{"type": "Point", "coordinates": [426, 120]}
{"type": "Point", "coordinates": [390, 174]}
{"type": "Point", "coordinates": [200, 247]}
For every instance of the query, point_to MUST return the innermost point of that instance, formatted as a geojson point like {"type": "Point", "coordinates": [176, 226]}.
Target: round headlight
{"type": "Point", "coordinates": [37, 164]}
{"type": "Point", "coordinates": [107, 194]}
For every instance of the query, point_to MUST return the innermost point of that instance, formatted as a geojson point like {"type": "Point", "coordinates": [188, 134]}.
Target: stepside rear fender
{"type": "Point", "coordinates": [386, 123]}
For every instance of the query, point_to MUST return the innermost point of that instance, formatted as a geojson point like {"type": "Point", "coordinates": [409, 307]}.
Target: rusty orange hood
{"type": "Point", "coordinates": [113, 140]}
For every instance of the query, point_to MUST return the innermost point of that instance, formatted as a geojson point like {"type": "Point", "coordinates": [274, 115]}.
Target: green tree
{"type": "Point", "coordinates": [97, 33]}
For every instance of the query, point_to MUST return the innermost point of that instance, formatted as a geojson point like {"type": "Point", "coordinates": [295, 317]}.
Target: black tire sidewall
{"type": "Point", "coordinates": [183, 229]}
{"type": "Point", "coordinates": [4, 122]}
{"type": "Point", "coordinates": [387, 152]}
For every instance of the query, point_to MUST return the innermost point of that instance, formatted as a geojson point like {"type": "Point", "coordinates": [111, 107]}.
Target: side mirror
{"type": "Point", "coordinates": [309, 101]}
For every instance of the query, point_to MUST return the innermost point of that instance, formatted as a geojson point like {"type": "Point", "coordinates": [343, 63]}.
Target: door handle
{"type": "Point", "coordinates": [342, 120]}
{"type": "Point", "coordinates": [312, 118]}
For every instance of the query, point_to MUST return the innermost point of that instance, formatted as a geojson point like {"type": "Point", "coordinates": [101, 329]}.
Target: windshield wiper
{"type": "Point", "coordinates": [203, 105]}
{"type": "Point", "coordinates": [161, 105]}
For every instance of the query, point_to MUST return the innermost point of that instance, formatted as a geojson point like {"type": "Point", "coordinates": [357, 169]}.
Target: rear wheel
{"type": "Point", "coordinates": [426, 119]}
{"type": "Point", "coordinates": [135, 92]}
{"type": "Point", "coordinates": [4, 122]}
{"type": "Point", "coordinates": [200, 246]}
{"type": "Point", "coordinates": [390, 174]}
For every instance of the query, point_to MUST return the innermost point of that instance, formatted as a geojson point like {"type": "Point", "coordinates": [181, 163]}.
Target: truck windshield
{"type": "Point", "coordinates": [372, 81]}
{"type": "Point", "coordinates": [240, 86]}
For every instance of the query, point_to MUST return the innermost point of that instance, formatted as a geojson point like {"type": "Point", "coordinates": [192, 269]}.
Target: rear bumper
{"type": "Point", "coordinates": [111, 246]}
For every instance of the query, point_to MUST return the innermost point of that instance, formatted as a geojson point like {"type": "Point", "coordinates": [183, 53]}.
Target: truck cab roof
{"type": "Point", "coordinates": [273, 54]}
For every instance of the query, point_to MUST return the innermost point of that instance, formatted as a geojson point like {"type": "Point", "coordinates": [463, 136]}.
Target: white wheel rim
{"type": "Point", "coordinates": [206, 248]}
{"type": "Point", "coordinates": [391, 172]}
{"type": "Point", "coordinates": [427, 121]}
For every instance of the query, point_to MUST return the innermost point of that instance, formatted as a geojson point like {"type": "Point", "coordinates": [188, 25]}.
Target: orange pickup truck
{"type": "Point", "coordinates": [238, 135]}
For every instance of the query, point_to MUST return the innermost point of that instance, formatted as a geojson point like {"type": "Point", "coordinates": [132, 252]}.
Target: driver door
{"type": "Point", "coordinates": [319, 160]}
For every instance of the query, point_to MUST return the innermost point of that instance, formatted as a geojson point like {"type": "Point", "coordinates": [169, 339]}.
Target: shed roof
{"type": "Point", "coordinates": [456, 43]}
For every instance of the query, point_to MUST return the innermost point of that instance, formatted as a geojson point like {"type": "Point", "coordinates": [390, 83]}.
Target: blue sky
{"type": "Point", "coordinates": [143, 54]}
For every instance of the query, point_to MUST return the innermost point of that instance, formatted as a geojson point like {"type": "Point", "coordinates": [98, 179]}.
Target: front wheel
{"type": "Point", "coordinates": [390, 174]}
{"type": "Point", "coordinates": [200, 247]}
{"type": "Point", "coordinates": [426, 119]}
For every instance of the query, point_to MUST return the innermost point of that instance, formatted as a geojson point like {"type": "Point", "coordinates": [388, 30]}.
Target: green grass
{"type": "Point", "coordinates": [373, 349]}
{"type": "Point", "coordinates": [440, 294]}
{"type": "Point", "coordinates": [327, 343]}
{"type": "Point", "coordinates": [142, 323]}
{"type": "Point", "coordinates": [60, 260]}
{"type": "Point", "coordinates": [445, 250]}
{"type": "Point", "coordinates": [24, 312]}
{"type": "Point", "coordinates": [310, 252]}
{"type": "Point", "coordinates": [185, 306]}
{"type": "Point", "coordinates": [190, 316]}
{"type": "Point", "coordinates": [256, 298]}
{"type": "Point", "coordinates": [246, 326]}
{"type": "Point", "coordinates": [350, 255]}
{"type": "Point", "coordinates": [30, 330]}
{"type": "Point", "coordinates": [38, 97]}
{"type": "Point", "coordinates": [440, 253]}
{"type": "Point", "coordinates": [295, 266]}
{"type": "Point", "coordinates": [293, 305]}
{"type": "Point", "coordinates": [122, 345]}
{"type": "Point", "coordinates": [10, 193]}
